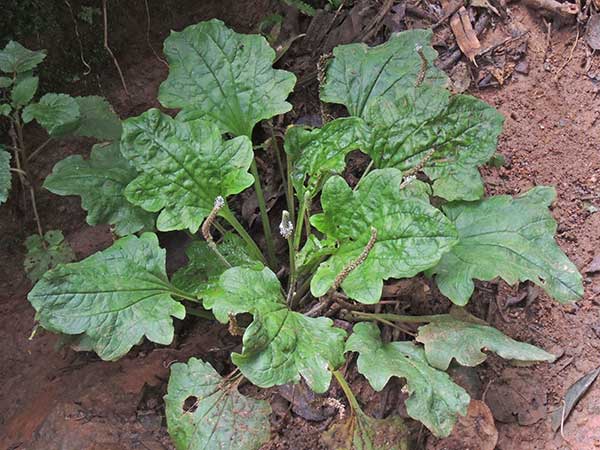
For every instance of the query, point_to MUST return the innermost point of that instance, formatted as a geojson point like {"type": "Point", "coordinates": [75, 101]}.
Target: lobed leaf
{"type": "Point", "coordinates": [116, 297]}
{"type": "Point", "coordinates": [183, 167]}
{"type": "Point", "coordinates": [449, 336]}
{"type": "Point", "coordinates": [217, 417]}
{"type": "Point", "coordinates": [204, 267]}
{"type": "Point", "coordinates": [280, 345]}
{"type": "Point", "coordinates": [511, 238]}
{"type": "Point", "coordinates": [58, 113]}
{"type": "Point", "coordinates": [434, 399]}
{"type": "Point", "coordinates": [97, 119]}
{"type": "Point", "coordinates": [319, 153]}
{"type": "Point", "coordinates": [100, 181]}
{"type": "Point", "coordinates": [358, 75]}
{"type": "Point", "coordinates": [462, 132]}
{"type": "Point", "coordinates": [411, 234]}
{"type": "Point", "coordinates": [224, 77]}
{"type": "Point", "coordinates": [45, 253]}
{"type": "Point", "coordinates": [15, 58]}
{"type": "Point", "coordinates": [5, 174]}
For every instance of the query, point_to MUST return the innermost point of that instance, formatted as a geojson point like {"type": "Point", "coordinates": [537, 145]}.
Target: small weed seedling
{"type": "Point", "coordinates": [181, 174]}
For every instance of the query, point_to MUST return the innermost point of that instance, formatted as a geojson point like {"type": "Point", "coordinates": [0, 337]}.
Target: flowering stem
{"type": "Point", "coordinates": [264, 216]}
{"type": "Point", "coordinates": [299, 223]}
{"type": "Point", "coordinates": [237, 226]}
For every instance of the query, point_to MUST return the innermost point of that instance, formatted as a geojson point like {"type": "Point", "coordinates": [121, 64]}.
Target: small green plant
{"type": "Point", "coordinates": [181, 173]}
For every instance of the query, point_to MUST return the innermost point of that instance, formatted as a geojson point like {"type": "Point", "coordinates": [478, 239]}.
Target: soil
{"type": "Point", "coordinates": [54, 398]}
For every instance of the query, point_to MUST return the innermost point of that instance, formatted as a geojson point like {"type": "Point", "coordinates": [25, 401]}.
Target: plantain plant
{"type": "Point", "coordinates": [419, 207]}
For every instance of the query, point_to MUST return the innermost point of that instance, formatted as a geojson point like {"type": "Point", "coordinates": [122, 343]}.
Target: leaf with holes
{"type": "Point", "coordinates": [100, 182]}
{"type": "Point", "coordinates": [224, 77]}
{"type": "Point", "coordinates": [411, 234]}
{"type": "Point", "coordinates": [319, 153]}
{"type": "Point", "coordinates": [204, 412]}
{"type": "Point", "coordinates": [15, 58]}
{"type": "Point", "coordinates": [434, 399]}
{"type": "Point", "coordinates": [183, 167]}
{"type": "Point", "coordinates": [449, 136]}
{"type": "Point", "coordinates": [462, 337]}
{"type": "Point", "coordinates": [116, 297]}
{"type": "Point", "coordinates": [280, 345]}
{"type": "Point", "coordinates": [58, 113]}
{"type": "Point", "coordinates": [511, 238]}
{"type": "Point", "coordinates": [358, 75]}
{"type": "Point", "coordinates": [46, 253]}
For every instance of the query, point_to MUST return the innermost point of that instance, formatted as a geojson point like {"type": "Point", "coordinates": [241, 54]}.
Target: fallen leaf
{"type": "Point", "coordinates": [465, 34]}
{"type": "Point", "coordinates": [573, 395]}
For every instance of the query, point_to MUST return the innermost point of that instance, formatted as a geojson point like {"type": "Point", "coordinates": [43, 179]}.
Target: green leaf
{"type": "Point", "coordinates": [16, 58]}
{"type": "Point", "coordinates": [5, 175]}
{"type": "Point", "coordinates": [100, 182]}
{"type": "Point", "coordinates": [280, 345]}
{"type": "Point", "coordinates": [322, 152]}
{"type": "Point", "coordinates": [98, 119]}
{"type": "Point", "coordinates": [224, 77]}
{"type": "Point", "coordinates": [5, 82]}
{"type": "Point", "coordinates": [203, 412]}
{"type": "Point", "coordinates": [450, 337]}
{"type": "Point", "coordinates": [411, 234]}
{"type": "Point", "coordinates": [183, 167]}
{"type": "Point", "coordinates": [46, 253]}
{"type": "Point", "coordinates": [358, 75]}
{"type": "Point", "coordinates": [511, 238]}
{"type": "Point", "coordinates": [361, 432]}
{"type": "Point", "coordinates": [58, 113]}
{"type": "Point", "coordinates": [434, 399]}
{"type": "Point", "coordinates": [462, 132]}
{"type": "Point", "coordinates": [116, 297]}
{"type": "Point", "coordinates": [204, 267]}
{"type": "Point", "coordinates": [24, 90]}
{"type": "Point", "coordinates": [5, 109]}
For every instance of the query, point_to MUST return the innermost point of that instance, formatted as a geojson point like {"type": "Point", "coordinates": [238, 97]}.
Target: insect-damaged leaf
{"type": "Point", "coordinates": [361, 432]}
{"type": "Point", "coordinates": [203, 412]}
{"type": "Point", "coordinates": [451, 135]}
{"type": "Point", "coordinates": [434, 399]}
{"type": "Point", "coordinates": [358, 75]}
{"type": "Point", "coordinates": [511, 238]}
{"type": "Point", "coordinates": [5, 175]}
{"type": "Point", "coordinates": [280, 345]}
{"type": "Point", "coordinates": [116, 297]}
{"type": "Point", "coordinates": [204, 267]}
{"type": "Point", "coordinates": [46, 253]}
{"type": "Point", "coordinates": [224, 77]}
{"type": "Point", "coordinates": [100, 182]}
{"type": "Point", "coordinates": [58, 113]}
{"type": "Point", "coordinates": [450, 336]}
{"type": "Point", "coordinates": [411, 234]}
{"type": "Point", "coordinates": [183, 167]}
{"type": "Point", "coordinates": [15, 58]}
{"type": "Point", "coordinates": [321, 152]}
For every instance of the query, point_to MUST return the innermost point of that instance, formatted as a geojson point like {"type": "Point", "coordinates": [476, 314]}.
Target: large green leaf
{"type": "Point", "coordinates": [205, 413]}
{"type": "Point", "coordinates": [58, 113]}
{"type": "Point", "coordinates": [411, 234]}
{"type": "Point", "coordinates": [183, 167]}
{"type": "Point", "coordinates": [116, 297]}
{"type": "Point", "coordinates": [5, 175]}
{"type": "Point", "coordinates": [511, 238]}
{"type": "Point", "coordinates": [321, 152]}
{"type": "Point", "coordinates": [204, 267]}
{"type": "Point", "coordinates": [434, 399]}
{"type": "Point", "coordinates": [280, 345]}
{"type": "Point", "coordinates": [24, 90]}
{"type": "Point", "coordinates": [358, 75]}
{"type": "Point", "coordinates": [462, 132]}
{"type": "Point", "coordinates": [449, 337]}
{"type": "Point", "coordinates": [224, 77]}
{"type": "Point", "coordinates": [45, 253]}
{"type": "Point", "coordinates": [97, 119]}
{"type": "Point", "coordinates": [16, 58]}
{"type": "Point", "coordinates": [100, 182]}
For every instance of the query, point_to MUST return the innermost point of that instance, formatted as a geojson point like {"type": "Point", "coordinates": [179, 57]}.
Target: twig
{"type": "Point", "coordinates": [104, 9]}
{"type": "Point", "coordinates": [148, 35]}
